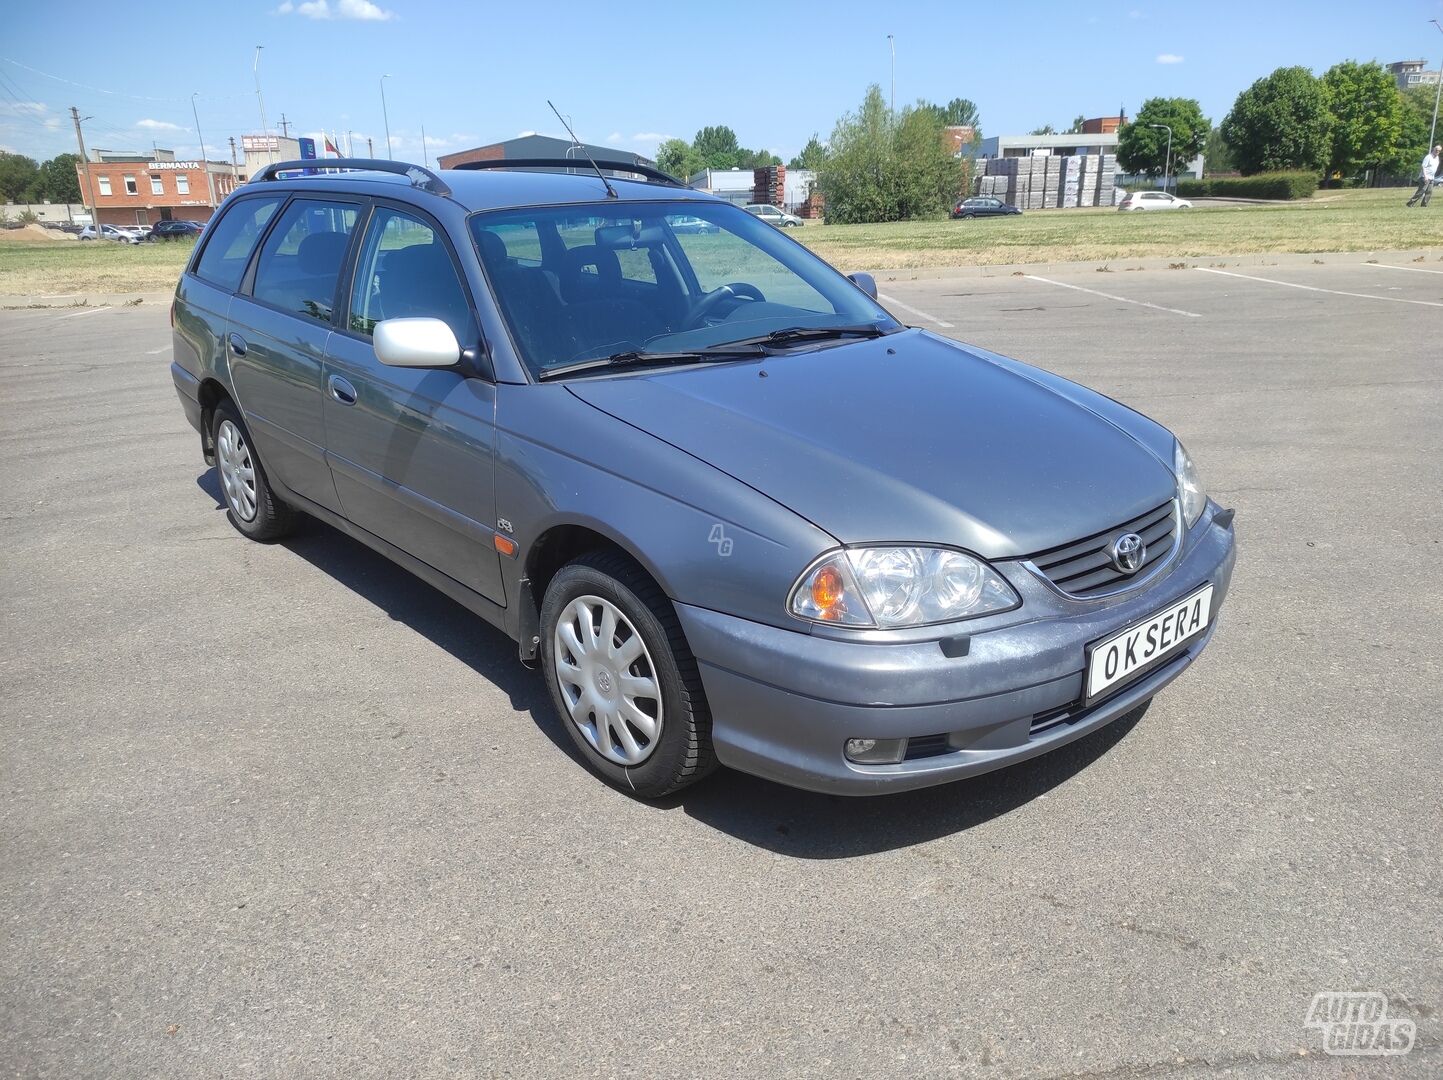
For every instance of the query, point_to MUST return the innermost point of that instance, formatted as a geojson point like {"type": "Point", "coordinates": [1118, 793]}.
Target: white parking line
{"type": "Point", "coordinates": [87, 311]}
{"type": "Point", "coordinates": [1413, 269]}
{"type": "Point", "coordinates": [1314, 288]}
{"type": "Point", "coordinates": [906, 307]}
{"type": "Point", "coordinates": [1110, 296]}
{"type": "Point", "coordinates": [157, 352]}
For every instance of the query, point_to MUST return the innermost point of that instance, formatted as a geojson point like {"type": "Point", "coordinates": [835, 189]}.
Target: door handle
{"type": "Point", "coordinates": [237, 344]}
{"type": "Point", "coordinates": [341, 390]}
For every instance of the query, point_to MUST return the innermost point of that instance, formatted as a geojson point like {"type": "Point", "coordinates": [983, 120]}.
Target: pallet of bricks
{"type": "Point", "coordinates": [1069, 181]}
{"type": "Point", "coordinates": [769, 185]}
{"type": "Point", "coordinates": [1010, 180]}
{"type": "Point", "coordinates": [1036, 166]}
{"type": "Point", "coordinates": [1087, 180]}
{"type": "Point", "coordinates": [1106, 180]}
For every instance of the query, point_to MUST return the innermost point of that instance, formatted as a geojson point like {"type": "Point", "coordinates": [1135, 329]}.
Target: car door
{"type": "Point", "coordinates": [279, 324]}
{"type": "Point", "coordinates": [410, 449]}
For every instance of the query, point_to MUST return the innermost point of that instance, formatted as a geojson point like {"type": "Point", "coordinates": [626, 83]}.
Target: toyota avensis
{"type": "Point", "coordinates": [736, 511]}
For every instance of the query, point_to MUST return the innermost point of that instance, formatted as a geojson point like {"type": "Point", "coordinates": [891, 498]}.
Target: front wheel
{"type": "Point", "coordinates": [623, 678]}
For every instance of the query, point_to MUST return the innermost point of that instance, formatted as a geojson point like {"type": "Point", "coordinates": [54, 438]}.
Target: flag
{"type": "Point", "coordinates": [331, 148]}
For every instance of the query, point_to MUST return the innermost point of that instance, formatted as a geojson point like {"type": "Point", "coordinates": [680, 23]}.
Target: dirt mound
{"type": "Point", "coordinates": [34, 234]}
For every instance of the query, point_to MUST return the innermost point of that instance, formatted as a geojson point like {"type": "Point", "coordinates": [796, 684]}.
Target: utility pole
{"type": "Point", "coordinates": [1167, 166]}
{"type": "Point", "coordinates": [892, 44]}
{"type": "Point", "coordinates": [234, 176]}
{"type": "Point", "coordinates": [209, 179]}
{"type": "Point", "coordinates": [425, 157]}
{"type": "Point", "coordinates": [350, 143]}
{"type": "Point", "coordinates": [260, 98]}
{"type": "Point", "coordinates": [285, 126]}
{"type": "Point", "coordinates": [85, 165]}
{"type": "Point", "coordinates": [385, 117]}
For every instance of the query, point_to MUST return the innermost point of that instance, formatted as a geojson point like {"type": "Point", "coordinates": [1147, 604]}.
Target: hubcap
{"type": "Point", "coordinates": [607, 680]}
{"type": "Point", "coordinates": [237, 470]}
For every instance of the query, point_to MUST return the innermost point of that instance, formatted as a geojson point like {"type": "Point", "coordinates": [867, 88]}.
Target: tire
{"type": "Point", "coordinates": [679, 753]}
{"type": "Point", "coordinates": [252, 507]}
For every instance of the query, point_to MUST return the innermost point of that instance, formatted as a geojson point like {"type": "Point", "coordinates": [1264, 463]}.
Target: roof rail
{"type": "Point", "coordinates": [421, 178]}
{"type": "Point", "coordinates": [579, 164]}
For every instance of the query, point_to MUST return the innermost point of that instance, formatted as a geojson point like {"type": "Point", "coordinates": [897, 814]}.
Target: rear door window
{"type": "Point", "coordinates": [302, 256]}
{"type": "Point", "coordinates": [223, 261]}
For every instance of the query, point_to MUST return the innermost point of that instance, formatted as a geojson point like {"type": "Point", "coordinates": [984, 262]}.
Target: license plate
{"type": "Point", "coordinates": [1116, 659]}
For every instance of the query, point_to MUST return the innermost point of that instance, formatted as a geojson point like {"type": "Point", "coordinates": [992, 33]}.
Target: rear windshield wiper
{"type": "Point", "coordinates": [641, 358]}
{"type": "Point", "coordinates": [790, 334]}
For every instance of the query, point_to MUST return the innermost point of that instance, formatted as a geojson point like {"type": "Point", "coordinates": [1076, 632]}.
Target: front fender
{"type": "Point", "coordinates": [708, 539]}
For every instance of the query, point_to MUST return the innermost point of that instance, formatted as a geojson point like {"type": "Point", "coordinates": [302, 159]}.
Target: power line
{"type": "Point", "coordinates": [115, 93]}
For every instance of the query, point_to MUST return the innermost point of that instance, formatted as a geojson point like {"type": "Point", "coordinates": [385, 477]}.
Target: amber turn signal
{"type": "Point", "coordinates": [505, 545]}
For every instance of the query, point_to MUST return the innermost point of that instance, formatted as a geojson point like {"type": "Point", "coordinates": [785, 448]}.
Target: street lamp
{"type": "Point", "coordinates": [384, 115]}
{"type": "Point", "coordinates": [1167, 162]}
{"type": "Point", "coordinates": [1433, 131]}
{"type": "Point", "coordinates": [209, 180]}
{"type": "Point", "coordinates": [256, 69]}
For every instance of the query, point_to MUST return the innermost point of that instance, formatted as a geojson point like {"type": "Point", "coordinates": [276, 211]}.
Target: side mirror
{"type": "Point", "coordinates": [416, 343]}
{"type": "Point", "coordinates": [865, 282]}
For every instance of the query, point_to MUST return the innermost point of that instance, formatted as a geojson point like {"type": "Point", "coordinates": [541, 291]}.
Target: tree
{"type": "Point", "coordinates": [1142, 148]}
{"type": "Point", "coordinates": [676, 156]}
{"type": "Point", "coordinates": [1367, 116]}
{"type": "Point", "coordinates": [717, 147]}
{"type": "Point", "coordinates": [1417, 120]}
{"type": "Point", "coordinates": [811, 157]}
{"type": "Point", "coordinates": [756, 159]}
{"type": "Point", "coordinates": [962, 112]}
{"type": "Point", "coordinates": [1217, 154]}
{"type": "Point", "coordinates": [1077, 123]}
{"type": "Point", "coordinates": [1045, 129]}
{"type": "Point", "coordinates": [19, 178]}
{"type": "Point", "coordinates": [881, 166]}
{"type": "Point", "coordinates": [1282, 121]}
{"type": "Point", "coordinates": [58, 181]}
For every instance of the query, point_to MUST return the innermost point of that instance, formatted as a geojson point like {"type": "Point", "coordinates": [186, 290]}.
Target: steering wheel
{"type": "Point", "coordinates": [736, 290]}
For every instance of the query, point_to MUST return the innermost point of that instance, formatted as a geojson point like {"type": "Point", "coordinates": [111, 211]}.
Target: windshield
{"type": "Point", "coordinates": [584, 282]}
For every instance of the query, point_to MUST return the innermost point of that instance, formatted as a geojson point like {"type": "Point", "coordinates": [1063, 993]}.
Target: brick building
{"type": "Point", "coordinates": [141, 189]}
{"type": "Point", "coordinates": [537, 146]}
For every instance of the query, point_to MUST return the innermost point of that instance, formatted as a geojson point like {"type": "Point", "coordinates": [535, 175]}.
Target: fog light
{"type": "Point", "coordinates": [875, 751]}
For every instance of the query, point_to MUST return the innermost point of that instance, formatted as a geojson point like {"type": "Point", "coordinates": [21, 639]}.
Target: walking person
{"type": "Point", "coordinates": [1427, 174]}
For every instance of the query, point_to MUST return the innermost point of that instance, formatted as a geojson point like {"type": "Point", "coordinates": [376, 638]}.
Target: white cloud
{"type": "Point", "coordinates": [158, 125]}
{"type": "Point", "coordinates": [360, 10]}
{"type": "Point", "coordinates": [1169, 58]}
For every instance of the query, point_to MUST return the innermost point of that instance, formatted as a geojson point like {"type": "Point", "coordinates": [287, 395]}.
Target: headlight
{"type": "Point", "coordinates": [888, 587]}
{"type": "Point", "coordinates": [1189, 485]}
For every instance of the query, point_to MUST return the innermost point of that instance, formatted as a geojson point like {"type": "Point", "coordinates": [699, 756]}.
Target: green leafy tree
{"type": "Point", "coordinates": [58, 181]}
{"type": "Point", "coordinates": [1045, 129]}
{"type": "Point", "coordinates": [1077, 123]}
{"type": "Point", "coordinates": [1280, 122]}
{"type": "Point", "coordinates": [19, 178]}
{"type": "Point", "coordinates": [882, 166]}
{"type": "Point", "coordinates": [1143, 149]}
{"type": "Point", "coordinates": [1217, 154]}
{"type": "Point", "coordinates": [676, 156]}
{"type": "Point", "coordinates": [756, 159]}
{"type": "Point", "coordinates": [961, 111]}
{"type": "Point", "coordinates": [717, 147]}
{"type": "Point", "coordinates": [811, 157]}
{"type": "Point", "coordinates": [1413, 142]}
{"type": "Point", "coordinates": [1367, 116]}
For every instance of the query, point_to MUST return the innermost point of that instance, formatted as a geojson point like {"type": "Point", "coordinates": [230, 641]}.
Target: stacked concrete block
{"type": "Point", "coordinates": [1087, 181]}
{"type": "Point", "coordinates": [1069, 179]}
{"type": "Point", "coordinates": [1107, 186]}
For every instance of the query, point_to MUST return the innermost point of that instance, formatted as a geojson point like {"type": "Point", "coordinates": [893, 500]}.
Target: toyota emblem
{"type": "Point", "coordinates": [1127, 552]}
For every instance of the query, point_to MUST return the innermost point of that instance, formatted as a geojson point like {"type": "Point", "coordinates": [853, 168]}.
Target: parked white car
{"type": "Point", "coordinates": [112, 232]}
{"type": "Point", "coordinates": [773, 215]}
{"type": "Point", "coordinates": [1153, 200]}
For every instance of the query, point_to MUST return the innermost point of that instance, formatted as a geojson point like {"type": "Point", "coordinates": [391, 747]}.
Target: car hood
{"type": "Point", "coordinates": [908, 437]}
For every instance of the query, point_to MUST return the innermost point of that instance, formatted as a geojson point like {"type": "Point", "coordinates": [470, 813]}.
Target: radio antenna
{"type": "Point", "coordinates": [576, 144]}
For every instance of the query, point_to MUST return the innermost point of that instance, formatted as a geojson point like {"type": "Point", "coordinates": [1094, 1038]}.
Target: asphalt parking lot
{"type": "Point", "coordinates": [283, 810]}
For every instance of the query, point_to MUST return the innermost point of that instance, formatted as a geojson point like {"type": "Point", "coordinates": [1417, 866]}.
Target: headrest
{"type": "Point", "coordinates": [493, 248]}
{"type": "Point", "coordinates": [576, 282]}
{"type": "Point", "coordinates": [322, 253]}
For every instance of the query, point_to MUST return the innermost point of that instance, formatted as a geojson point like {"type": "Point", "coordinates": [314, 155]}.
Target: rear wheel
{"type": "Point", "coordinates": [251, 506]}
{"type": "Point", "coordinates": [622, 677]}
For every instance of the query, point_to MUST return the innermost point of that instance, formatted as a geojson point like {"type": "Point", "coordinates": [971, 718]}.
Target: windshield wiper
{"type": "Point", "coordinates": [790, 334]}
{"type": "Point", "coordinates": [741, 350]}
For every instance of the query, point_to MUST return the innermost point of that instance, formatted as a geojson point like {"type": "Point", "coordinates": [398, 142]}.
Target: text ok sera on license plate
{"type": "Point", "coordinates": [1113, 660]}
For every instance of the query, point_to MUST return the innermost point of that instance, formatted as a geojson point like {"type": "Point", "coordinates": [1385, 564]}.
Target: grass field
{"type": "Point", "coordinates": [1330, 221]}
{"type": "Point", "coordinates": [1335, 221]}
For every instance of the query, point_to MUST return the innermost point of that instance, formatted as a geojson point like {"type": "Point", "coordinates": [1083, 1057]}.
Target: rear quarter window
{"type": "Point", "coordinates": [223, 259]}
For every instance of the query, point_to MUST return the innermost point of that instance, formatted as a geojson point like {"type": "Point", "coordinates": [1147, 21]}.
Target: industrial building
{"type": "Point", "coordinates": [1408, 73]}
{"type": "Point", "coordinates": [134, 188]}
{"type": "Point", "coordinates": [539, 146]}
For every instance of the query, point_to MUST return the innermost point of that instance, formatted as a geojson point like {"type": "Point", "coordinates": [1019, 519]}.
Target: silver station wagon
{"type": "Point", "coordinates": [734, 510]}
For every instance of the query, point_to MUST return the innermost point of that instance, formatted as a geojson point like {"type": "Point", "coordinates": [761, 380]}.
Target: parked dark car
{"type": "Point", "coordinates": [177, 229]}
{"type": "Point", "coordinates": [983, 206]}
{"type": "Point", "coordinates": [734, 510]}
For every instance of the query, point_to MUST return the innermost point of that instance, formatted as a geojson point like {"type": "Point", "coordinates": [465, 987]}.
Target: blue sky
{"type": "Point", "coordinates": [630, 74]}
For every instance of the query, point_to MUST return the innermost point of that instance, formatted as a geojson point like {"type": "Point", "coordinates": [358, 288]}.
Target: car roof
{"type": "Point", "coordinates": [490, 189]}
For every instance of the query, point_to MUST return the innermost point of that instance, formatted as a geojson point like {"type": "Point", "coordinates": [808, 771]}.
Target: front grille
{"type": "Point", "coordinates": [1085, 567]}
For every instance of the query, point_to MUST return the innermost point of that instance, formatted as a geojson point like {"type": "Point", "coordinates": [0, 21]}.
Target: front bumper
{"type": "Point", "coordinates": [783, 703]}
